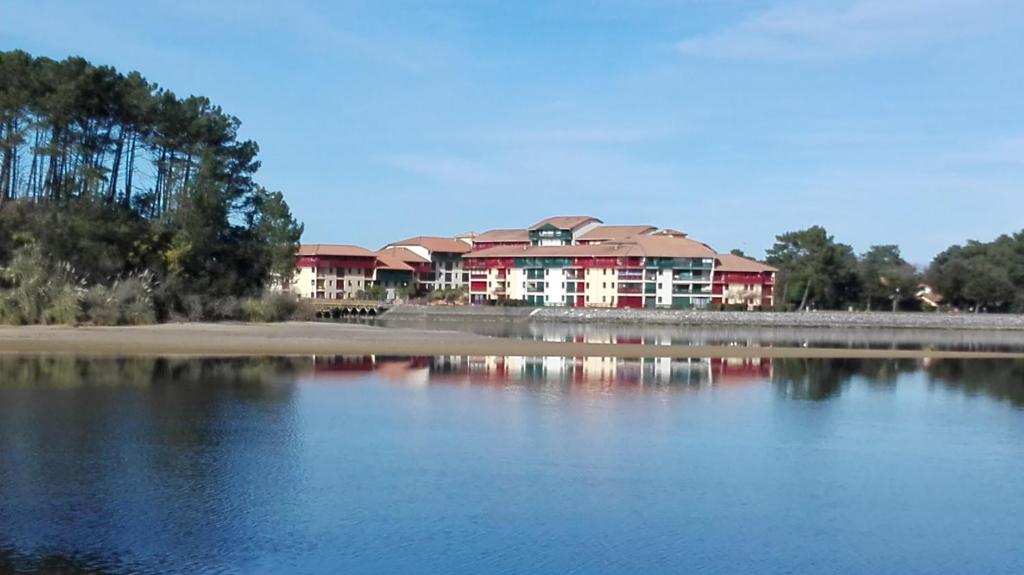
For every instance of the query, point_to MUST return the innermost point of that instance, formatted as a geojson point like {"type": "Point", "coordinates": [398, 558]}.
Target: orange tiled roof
{"type": "Point", "coordinates": [604, 233]}
{"type": "Point", "coordinates": [638, 246]}
{"type": "Point", "coordinates": [404, 255]}
{"type": "Point", "coordinates": [516, 235]}
{"type": "Point", "coordinates": [565, 222]}
{"type": "Point", "coordinates": [334, 250]}
{"type": "Point", "coordinates": [731, 263]}
{"type": "Point", "coordinates": [435, 244]}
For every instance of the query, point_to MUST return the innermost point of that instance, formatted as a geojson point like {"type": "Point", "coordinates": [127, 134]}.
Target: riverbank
{"type": "Point", "coordinates": [835, 319]}
{"type": "Point", "coordinates": [318, 338]}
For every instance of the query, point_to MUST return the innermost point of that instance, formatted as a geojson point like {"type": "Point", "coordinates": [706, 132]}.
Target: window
{"type": "Point", "coordinates": [604, 285]}
{"type": "Point", "coordinates": [659, 299]}
{"type": "Point", "coordinates": [603, 299]}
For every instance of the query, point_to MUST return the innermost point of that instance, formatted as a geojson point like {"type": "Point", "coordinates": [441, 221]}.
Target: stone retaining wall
{"type": "Point", "coordinates": [695, 318]}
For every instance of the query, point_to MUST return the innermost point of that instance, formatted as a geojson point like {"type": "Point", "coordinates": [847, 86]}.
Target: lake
{"type": "Point", "coordinates": [510, 465]}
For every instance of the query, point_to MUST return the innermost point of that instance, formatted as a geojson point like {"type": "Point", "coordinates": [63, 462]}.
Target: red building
{"type": "Point", "coordinates": [743, 281]}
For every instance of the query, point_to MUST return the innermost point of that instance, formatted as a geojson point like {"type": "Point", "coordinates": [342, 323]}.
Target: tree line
{"type": "Point", "coordinates": [816, 271]}
{"type": "Point", "coordinates": [108, 178]}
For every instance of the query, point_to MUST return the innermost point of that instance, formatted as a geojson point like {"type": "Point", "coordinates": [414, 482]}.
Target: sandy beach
{"type": "Point", "coordinates": [313, 338]}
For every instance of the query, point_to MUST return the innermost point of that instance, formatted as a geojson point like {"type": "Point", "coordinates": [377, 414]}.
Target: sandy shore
{"type": "Point", "coordinates": [301, 338]}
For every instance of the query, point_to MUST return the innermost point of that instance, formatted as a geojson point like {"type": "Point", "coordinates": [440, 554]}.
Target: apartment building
{"type": "Point", "coordinates": [326, 271]}
{"type": "Point", "coordinates": [743, 281]}
{"type": "Point", "coordinates": [445, 257]}
{"type": "Point", "coordinates": [636, 272]}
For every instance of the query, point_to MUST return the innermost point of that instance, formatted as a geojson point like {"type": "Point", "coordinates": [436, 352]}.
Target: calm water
{"type": "Point", "coordinates": [511, 465]}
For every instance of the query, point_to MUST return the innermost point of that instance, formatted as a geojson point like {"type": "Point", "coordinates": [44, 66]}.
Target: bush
{"type": "Point", "coordinates": [128, 302]}
{"type": "Point", "coordinates": [275, 307]}
{"type": "Point", "coordinates": [36, 291]}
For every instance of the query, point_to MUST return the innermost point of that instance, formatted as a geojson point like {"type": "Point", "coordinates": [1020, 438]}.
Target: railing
{"type": "Point", "coordinates": [702, 291]}
{"type": "Point", "coordinates": [690, 276]}
{"type": "Point", "coordinates": [630, 289]}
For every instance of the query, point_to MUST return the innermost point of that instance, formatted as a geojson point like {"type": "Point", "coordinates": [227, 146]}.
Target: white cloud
{"type": "Point", "coordinates": [820, 30]}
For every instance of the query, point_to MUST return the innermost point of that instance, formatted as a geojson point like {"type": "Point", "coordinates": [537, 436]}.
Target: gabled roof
{"type": "Point", "coordinates": [565, 222]}
{"type": "Point", "coordinates": [507, 236]}
{"type": "Point", "coordinates": [403, 255]}
{"type": "Point", "coordinates": [731, 263]}
{"type": "Point", "coordinates": [667, 247]}
{"type": "Point", "coordinates": [389, 260]}
{"type": "Point", "coordinates": [579, 251]}
{"type": "Point", "coordinates": [605, 233]}
{"type": "Point", "coordinates": [670, 232]}
{"type": "Point", "coordinates": [637, 246]}
{"type": "Point", "coordinates": [334, 250]}
{"type": "Point", "coordinates": [435, 244]}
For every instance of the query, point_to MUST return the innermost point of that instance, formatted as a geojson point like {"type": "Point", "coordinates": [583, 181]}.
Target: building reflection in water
{"type": "Point", "coordinates": [589, 372]}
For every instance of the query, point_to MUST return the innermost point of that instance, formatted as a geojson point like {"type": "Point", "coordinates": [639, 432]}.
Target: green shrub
{"type": "Point", "coordinates": [128, 302]}
{"type": "Point", "coordinates": [274, 307]}
{"type": "Point", "coordinates": [35, 290]}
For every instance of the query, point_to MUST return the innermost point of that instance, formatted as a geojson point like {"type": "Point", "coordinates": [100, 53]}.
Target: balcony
{"type": "Point", "coordinates": [535, 287]}
{"type": "Point", "coordinates": [630, 289]}
{"type": "Point", "coordinates": [692, 291]}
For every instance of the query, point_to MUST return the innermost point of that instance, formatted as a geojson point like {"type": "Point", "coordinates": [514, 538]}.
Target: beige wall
{"type": "Point", "coordinates": [333, 283]}
{"type": "Point", "coordinates": [601, 287]}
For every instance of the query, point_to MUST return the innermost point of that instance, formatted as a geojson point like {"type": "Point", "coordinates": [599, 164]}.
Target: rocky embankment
{"type": "Point", "coordinates": [933, 320]}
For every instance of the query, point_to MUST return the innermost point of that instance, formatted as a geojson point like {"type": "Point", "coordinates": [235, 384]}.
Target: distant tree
{"type": "Point", "coordinates": [737, 252]}
{"type": "Point", "coordinates": [982, 275]}
{"type": "Point", "coordinates": [886, 279]}
{"type": "Point", "coordinates": [814, 268]}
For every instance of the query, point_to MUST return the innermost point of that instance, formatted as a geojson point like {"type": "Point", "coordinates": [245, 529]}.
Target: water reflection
{"type": "Point", "coordinates": [386, 464]}
{"type": "Point", "coordinates": [270, 379]}
{"type": "Point", "coordinates": [579, 372]}
{"type": "Point", "coordinates": [12, 562]}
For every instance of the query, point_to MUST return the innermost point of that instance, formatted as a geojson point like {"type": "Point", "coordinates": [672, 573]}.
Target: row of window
{"type": "Point", "coordinates": [330, 283]}
{"type": "Point", "coordinates": [340, 271]}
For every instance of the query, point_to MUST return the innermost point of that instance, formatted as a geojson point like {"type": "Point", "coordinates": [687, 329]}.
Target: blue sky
{"type": "Point", "coordinates": [886, 121]}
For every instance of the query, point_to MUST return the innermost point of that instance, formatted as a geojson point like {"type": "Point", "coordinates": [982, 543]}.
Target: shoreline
{"type": "Point", "coordinates": [319, 338]}
{"type": "Point", "coordinates": [699, 318]}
